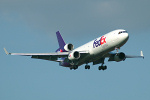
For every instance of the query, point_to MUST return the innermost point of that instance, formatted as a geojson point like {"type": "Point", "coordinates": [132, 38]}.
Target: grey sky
{"type": "Point", "coordinates": [78, 15]}
{"type": "Point", "coordinates": [29, 26]}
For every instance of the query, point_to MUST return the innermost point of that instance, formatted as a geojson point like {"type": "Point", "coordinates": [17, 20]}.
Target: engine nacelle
{"type": "Point", "coordinates": [119, 57]}
{"type": "Point", "coordinates": [74, 55]}
{"type": "Point", "coordinates": [69, 47]}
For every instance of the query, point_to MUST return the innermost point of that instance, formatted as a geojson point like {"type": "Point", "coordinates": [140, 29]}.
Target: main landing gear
{"type": "Point", "coordinates": [102, 67]}
{"type": "Point", "coordinates": [99, 68]}
{"type": "Point", "coordinates": [87, 66]}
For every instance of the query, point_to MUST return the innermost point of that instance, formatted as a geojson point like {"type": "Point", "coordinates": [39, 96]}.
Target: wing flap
{"type": "Point", "coordinates": [45, 57]}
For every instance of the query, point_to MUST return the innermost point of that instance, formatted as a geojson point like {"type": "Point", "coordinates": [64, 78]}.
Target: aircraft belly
{"type": "Point", "coordinates": [96, 53]}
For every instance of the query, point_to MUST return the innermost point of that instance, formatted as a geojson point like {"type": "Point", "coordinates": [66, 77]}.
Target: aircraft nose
{"type": "Point", "coordinates": [125, 36]}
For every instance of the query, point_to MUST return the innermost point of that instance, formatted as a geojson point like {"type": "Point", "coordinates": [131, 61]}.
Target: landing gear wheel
{"type": "Point", "coordinates": [71, 68]}
{"type": "Point", "coordinates": [87, 66]}
{"type": "Point", "coordinates": [74, 67]}
{"type": "Point", "coordinates": [102, 67]}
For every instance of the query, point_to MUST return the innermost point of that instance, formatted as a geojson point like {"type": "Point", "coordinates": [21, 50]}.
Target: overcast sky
{"type": "Point", "coordinates": [30, 26]}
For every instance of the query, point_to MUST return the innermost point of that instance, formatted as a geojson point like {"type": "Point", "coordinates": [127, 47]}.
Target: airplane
{"type": "Point", "coordinates": [94, 51]}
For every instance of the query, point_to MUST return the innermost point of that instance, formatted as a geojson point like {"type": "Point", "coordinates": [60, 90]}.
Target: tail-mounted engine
{"type": "Point", "coordinates": [74, 55]}
{"type": "Point", "coordinates": [119, 57]}
{"type": "Point", "coordinates": [69, 47]}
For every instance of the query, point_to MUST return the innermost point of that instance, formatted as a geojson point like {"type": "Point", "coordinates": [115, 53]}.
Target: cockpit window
{"type": "Point", "coordinates": [122, 32]}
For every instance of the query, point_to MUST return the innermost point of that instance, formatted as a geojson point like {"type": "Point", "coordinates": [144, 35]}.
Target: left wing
{"type": "Point", "coordinates": [122, 56]}
{"type": "Point", "coordinates": [116, 57]}
{"type": "Point", "coordinates": [141, 56]}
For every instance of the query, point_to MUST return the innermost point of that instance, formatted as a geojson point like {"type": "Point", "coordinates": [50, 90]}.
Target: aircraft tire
{"type": "Point", "coordinates": [105, 67]}
{"type": "Point", "coordinates": [75, 67]}
{"type": "Point", "coordinates": [99, 68]}
{"type": "Point", "coordinates": [87, 67]}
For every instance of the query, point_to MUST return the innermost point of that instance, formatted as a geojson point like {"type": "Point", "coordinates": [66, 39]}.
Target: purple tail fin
{"type": "Point", "coordinates": [60, 42]}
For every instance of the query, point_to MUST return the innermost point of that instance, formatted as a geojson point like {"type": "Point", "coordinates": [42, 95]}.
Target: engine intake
{"type": "Point", "coordinates": [74, 55]}
{"type": "Point", "coordinates": [119, 57]}
{"type": "Point", "coordinates": [69, 47]}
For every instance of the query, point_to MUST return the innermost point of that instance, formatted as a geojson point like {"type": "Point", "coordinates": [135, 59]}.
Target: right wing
{"type": "Point", "coordinates": [45, 56]}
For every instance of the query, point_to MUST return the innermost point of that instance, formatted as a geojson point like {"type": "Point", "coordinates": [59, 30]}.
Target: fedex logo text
{"type": "Point", "coordinates": [99, 42]}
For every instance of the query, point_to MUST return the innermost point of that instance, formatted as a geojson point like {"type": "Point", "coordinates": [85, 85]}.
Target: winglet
{"type": "Point", "coordinates": [142, 54]}
{"type": "Point", "coordinates": [6, 52]}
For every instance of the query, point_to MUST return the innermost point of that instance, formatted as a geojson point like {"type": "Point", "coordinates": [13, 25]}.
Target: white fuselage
{"type": "Point", "coordinates": [100, 46]}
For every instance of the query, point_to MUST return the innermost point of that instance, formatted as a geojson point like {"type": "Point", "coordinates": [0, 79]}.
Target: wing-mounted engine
{"type": "Point", "coordinates": [74, 55]}
{"type": "Point", "coordinates": [118, 57]}
{"type": "Point", "coordinates": [69, 47]}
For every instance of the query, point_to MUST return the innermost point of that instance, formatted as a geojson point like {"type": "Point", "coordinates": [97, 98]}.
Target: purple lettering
{"type": "Point", "coordinates": [99, 42]}
{"type": "Point", "coordinates": [96, 43]}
